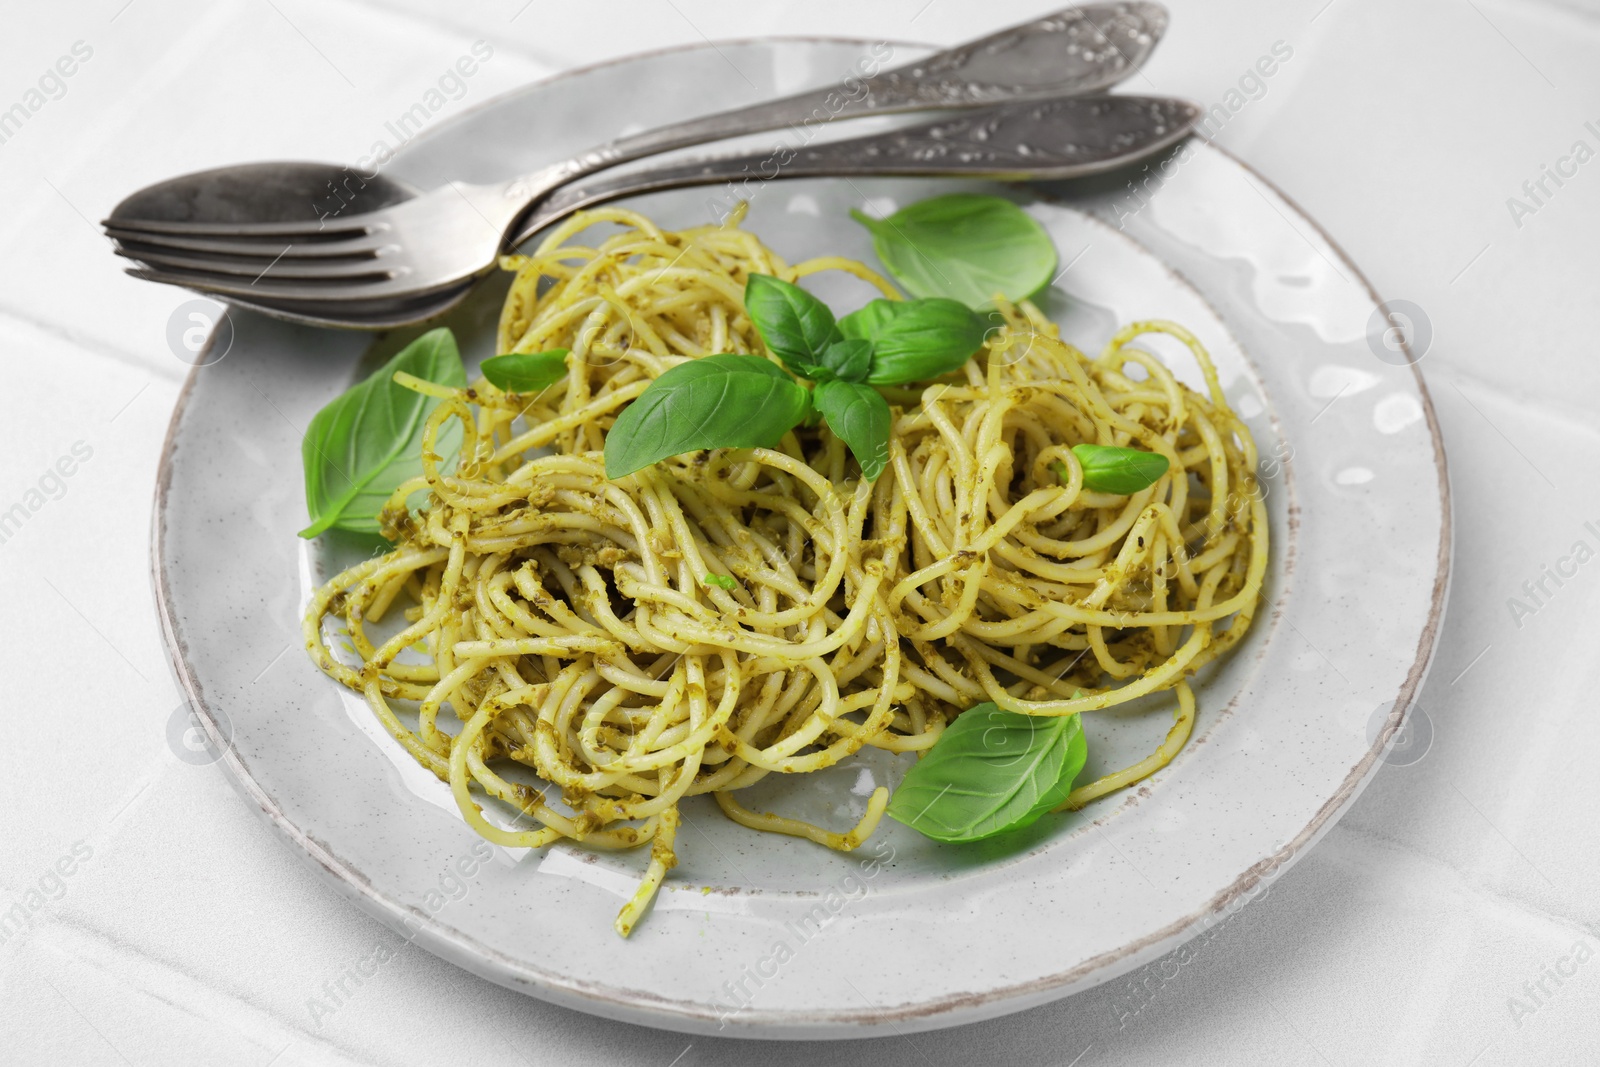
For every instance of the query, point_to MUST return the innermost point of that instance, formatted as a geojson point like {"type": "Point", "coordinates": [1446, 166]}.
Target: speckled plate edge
{"type": "Point", "coordinates": [633, 1006]}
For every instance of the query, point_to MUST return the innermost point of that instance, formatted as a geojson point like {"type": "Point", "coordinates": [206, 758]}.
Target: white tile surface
{"type": "Point", "coordinates": [189, 935]}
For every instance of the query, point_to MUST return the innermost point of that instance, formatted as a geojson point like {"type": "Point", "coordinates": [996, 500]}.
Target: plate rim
{"type": "Point", "coordinates": [617, 1002]}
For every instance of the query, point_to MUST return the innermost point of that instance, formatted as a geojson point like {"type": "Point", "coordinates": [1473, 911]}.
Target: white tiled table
{"type": "Point", "coordinates": [1427, 928]}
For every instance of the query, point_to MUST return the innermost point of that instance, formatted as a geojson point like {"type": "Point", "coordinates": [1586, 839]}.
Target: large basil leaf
{"type": "Point", "coordinates": [1113, 469]}
{"type": "Point", "coordinates": [860, 418]}
{"type": "Point", "coordinates": [360, 447]}
{"type": "Point", "coordinates": [915, 340]}
{"type": "Point", "coordinates": [723, 401]}
{"type": "Point", "coordinates": [796, 326]}
{"type": "Point", "coordinates": [992, 771]}
{"type": "Point", "coordinates": [866, 322]}
{"type": "Point", "coordinates": [526, 372]}
{"type": "Point", "coordinates": [964, 246]}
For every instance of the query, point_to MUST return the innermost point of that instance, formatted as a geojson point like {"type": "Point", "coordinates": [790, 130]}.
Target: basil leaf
{"type": "Point", "coordinates": [722, 581]}
{"type": "Point", "coordinates": [992, 771]}
{"type": "Point", "coordinates": [796, 326]}
{"type": "Point", "coordinates": [723, 401]}
{"type": "Point", "coordinates": [915, 340]}
{"type": "Point", "coordinates": [368, 440]}
{"type": "Point", "coordinates": [860, 418]}
{"type": "Point", "coordinates": [526, 372]}
{"type": "Point", "coordinates": [845, 360]}
{"type": "Point", "coordinates": [866, 322]}
{"type": "Point", "coordinates": [964, 246]}
{"type": "Point", "coordinates": [1112, 469]}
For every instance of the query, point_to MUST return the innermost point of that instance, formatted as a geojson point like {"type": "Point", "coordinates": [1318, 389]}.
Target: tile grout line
{"type": "Point", "coordinates": [92, 346]}
{"type": "Point", "coordinates": [1482, 892]}
{"type": "Point", "coordinates": [1570, 422]}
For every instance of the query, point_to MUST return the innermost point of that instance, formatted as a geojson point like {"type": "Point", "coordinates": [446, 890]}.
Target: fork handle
{"type": "Point", "coordinates": [1074, 50]}
{"type": "Point", "coordinates": [1056, 139]}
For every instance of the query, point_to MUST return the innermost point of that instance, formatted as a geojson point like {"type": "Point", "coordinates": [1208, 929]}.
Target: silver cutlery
{"type": "Point", "coordinates": [249, 232]}
{"type": "Point", "coordinates": [1057, 139]}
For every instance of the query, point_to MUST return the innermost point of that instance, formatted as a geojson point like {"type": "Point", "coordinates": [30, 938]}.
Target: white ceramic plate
{"type": "Point", "coordinates": [761, 935]}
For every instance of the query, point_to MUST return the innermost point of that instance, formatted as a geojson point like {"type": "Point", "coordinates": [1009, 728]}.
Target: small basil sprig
{"type": "Point", "coordinates": [722, 581]}
{"type": "Point", "coordinates": [1114, 469]}
{"type": "Point", "coordinates": [368, 440]}
{"type": "Point", "coordinates": [848, 360]}
{"type": "Point", "coordinates": [992, 771]}
{"type": "Point", "coordinates": [526, 372]}
{"type": "Point", "coordinates": [964, 246]}
{"type": "Point", "coordinates": [729, 401]}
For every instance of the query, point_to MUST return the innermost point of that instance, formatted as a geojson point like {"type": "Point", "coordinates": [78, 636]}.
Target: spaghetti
{"type": "Point", "coordinates": [727, 615]}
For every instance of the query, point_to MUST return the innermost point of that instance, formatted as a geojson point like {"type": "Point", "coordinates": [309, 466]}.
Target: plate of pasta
{"type": "Point", "coordinates": [744, 605]}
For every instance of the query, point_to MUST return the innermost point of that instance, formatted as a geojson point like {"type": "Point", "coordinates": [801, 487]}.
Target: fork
{"type": "Point", "coordinates": [1057, 139]}
{"type": "Point", "coordinates": [439, 240]}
